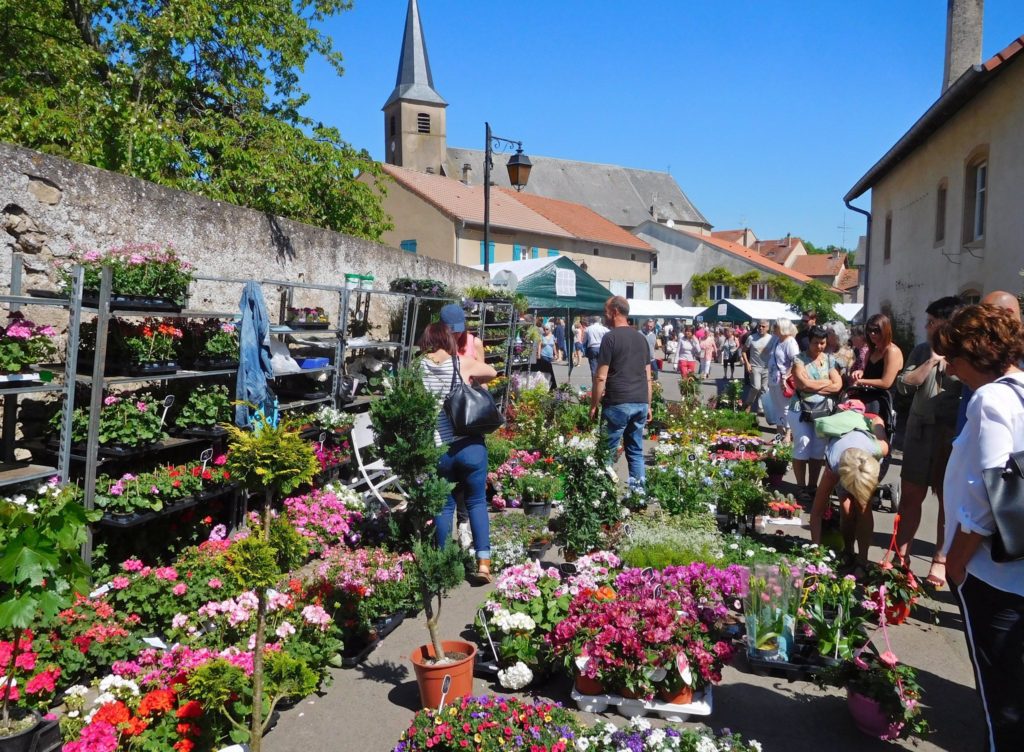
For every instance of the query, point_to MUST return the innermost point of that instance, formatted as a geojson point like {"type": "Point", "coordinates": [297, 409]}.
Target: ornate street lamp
{"type": "Point", "coordinates": [519, 167]}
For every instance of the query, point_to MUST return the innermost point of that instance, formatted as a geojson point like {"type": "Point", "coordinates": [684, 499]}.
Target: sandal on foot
{"type": "Point", "coordinates": [937, 574]}
{"type": "Point", "coordinates": [482, 575]}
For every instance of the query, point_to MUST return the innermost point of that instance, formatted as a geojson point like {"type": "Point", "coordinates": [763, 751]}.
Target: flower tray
{"type": "Point", "coordinates": [133, 302]}
{"type": "Point", "coordinates": [153, 368]}
{"type": "Point", "coordinates": [121, 451]}
{"type": "Point", "coordinates": [795, 521]}
{"type": "Point", "coordinates": [12, 380]}
{"type": "Point", "coordinates": [538, 550]}
{"type": "Point", "coordinates": [352, 657]}
{"type": "Point", "coordinates": [803, 664]}
{"type": "Point", "coordinates": [485, 668]}
{"type": "Point", "coordinates": [209, 364]}
{"type": "Point", "coordinates": [307, 325]}
{"type": "Point", "coordinates": [207, 432]}
{"type": "Point", "coordinates": [700, 705]}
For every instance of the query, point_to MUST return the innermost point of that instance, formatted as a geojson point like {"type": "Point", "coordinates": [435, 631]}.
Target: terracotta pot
{"type": "Point", "coordinates": [869, 717]}
{"type": "Point", "coordinates": [588, 686]}
{"type": "Point", "coordinates": [630, 694]}
{"type": "Point", "coordinates": [897, 613]}
{"type": "Point", "coordinates": [429, 676]}
{"type": "Point", "coordinates": [682, 696]}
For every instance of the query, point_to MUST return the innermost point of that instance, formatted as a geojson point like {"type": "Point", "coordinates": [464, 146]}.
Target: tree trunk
{"type": "Point", "coordinates": [256, 731]}
{"type": "Point", "coordinates": [432, 617]}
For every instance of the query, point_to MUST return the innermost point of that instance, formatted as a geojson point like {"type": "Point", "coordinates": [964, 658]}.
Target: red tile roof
{"type": "Point", "coordinates": [849, 279]}
{"type": "Point", "coordinates": [777, 250]}
{"type": "Point", "coordinates": [466, 202]}
{"type": "Point", "coordinates": [749, 255]}
{"type": "Point", "coordinates": [820, 264]}
{"type": "Point", "coordinates": [733, 236]}
{"type": "Point", "coordinates": [579, 220]}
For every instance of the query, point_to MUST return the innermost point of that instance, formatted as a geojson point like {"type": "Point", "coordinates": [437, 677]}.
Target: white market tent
{"type": "Point", "coordinates": [656, 309]}
{"type": "Point", "coordinates": [737, 309]}
{"type": "Point", "coordinates": [850, 312]}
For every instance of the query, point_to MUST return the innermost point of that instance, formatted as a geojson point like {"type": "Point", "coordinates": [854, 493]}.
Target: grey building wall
{"type": "Point", "coordinates": [52, 206]}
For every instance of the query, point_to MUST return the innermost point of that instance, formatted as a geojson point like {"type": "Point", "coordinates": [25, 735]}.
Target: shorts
{"type": "Point", "coordinates": [807, 445]}
{"type": "Point", "coordinates": [926, 450]}
{"type": "Point", "coordinates": [686, 367]}
{"type": "Point", "coordinates": [579, 347]}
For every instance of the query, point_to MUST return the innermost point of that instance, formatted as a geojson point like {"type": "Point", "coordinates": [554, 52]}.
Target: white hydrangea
{"type": "Point", "coordinates": [516, 676]}
{"type": "Point", "coordinates": [508, 621]}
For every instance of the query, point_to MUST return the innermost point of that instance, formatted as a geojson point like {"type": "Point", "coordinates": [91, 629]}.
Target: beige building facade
{"type": "Point", "coordinates": [947, 209]}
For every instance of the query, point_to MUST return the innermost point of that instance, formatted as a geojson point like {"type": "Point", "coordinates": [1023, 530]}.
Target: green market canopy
{"type": "Point", "coordinates": [552, 285]}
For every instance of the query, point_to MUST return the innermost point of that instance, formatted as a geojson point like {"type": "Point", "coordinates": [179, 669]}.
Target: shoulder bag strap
{"type": "Point", "coordinates": [456, 375]}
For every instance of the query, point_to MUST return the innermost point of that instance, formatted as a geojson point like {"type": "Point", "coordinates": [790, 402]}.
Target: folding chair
{"type": "Point", "coordinates": [380, 482]}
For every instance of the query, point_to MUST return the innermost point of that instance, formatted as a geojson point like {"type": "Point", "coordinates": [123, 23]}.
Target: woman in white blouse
{"type": "Point", "coordinates": [982, 345]}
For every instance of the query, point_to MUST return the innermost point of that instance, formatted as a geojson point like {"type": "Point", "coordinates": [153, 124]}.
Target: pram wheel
{"type": "Point", "coordinates": [886, 498]}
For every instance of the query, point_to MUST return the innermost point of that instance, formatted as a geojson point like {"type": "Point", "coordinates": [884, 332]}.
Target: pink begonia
{"type": "Point", "coordinates": [220, 459]}
{"type": "Point", "coordinates": [128, 476]}
{"type": "Point", "coordinates": [45, 681]}
{"type": "Point", "coordinates": [285, 630]}
{"type": "Point", "coordinates": [111, 399]}
{"type": "Point", "coordinates": [25, 661]}
{"type": "Point", "coordinates": [47, 331]}
{"type": "Point", "coordinates": [180, 589]}
{"type": "Point", "coordinates": [116, 489]}
{"type": "Point", "coordinates": [214, 583]}
{"type": "Point", "coordinates": [18, 330]}
{"type": "Point", "coordinates": [141, 406]}
{"type": "Point", "coordinates": [277, 601]}
{"type": "Point", "coordinates": [120, 582]}
{"type": "Point", "coordinates": [218, 533]}
{"type": "Point", "coordinates": [131, 565]}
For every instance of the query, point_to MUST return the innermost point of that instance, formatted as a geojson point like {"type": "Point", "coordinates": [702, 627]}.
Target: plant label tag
{"type": "Point", "coordinates": [322, 439]}
{"type": "Point", "coordinates": [487, 632]}
{"type": "Point", "coordinates": [206, 456]}
{"type": "Point", "coordinates": [657, 591]}
{"type": "Point", "coordinates": [647, 572]}
{"type": "Point", "coordinates": [168, 401]}
{"type": "Point", "coordinates": [446, 684]}
{"type": "Point", "coordinates": [742, 447]}
{"type": "Point", "coordinates": [101, 590]}
{"type": "Point", "coordinates": [692, 457]}
{"type": "Point", "coordinates": [155, 642]}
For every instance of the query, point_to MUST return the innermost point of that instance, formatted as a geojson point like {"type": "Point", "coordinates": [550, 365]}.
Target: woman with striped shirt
{"type": "Point", "coordinates": [465, 462]}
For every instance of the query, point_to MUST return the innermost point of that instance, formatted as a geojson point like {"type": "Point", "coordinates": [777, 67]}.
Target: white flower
{"type": "Point", "coordinates": [706, 744]}
{"type": "Point", "coordinates": [515, 677]}
{"type": "Point", "coordinates": [655, 739]}
{"type": "Point", "coordinates": [77, 690]}
{"type": "Point", "coordinates": [20, 499]}
{"type": "Point", "coordinates": [639, 722]}
{"type": "Point", "coordinates": [103, 699]}
{"type": "Point", "coordinates": [507, 621]}
{"type": "Point", "coordinates": [582, 744]}
{"type": "Point", "coordinates": [74, 713]}
{"type": "Point", "coordinates": [754, 745]}
{"type": "Point", "coordinates": [749, 552]}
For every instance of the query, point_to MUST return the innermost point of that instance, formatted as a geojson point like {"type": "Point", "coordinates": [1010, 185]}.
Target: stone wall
{"type": "Point", "coordinates": [52, 206]}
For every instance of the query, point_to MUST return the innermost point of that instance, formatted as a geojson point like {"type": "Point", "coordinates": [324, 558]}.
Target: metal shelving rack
{"type": "Point", "coordinates": [11, 471]}
{"type": "Point", "coordinates": [487, 333]}
{"type": "Point", "coordinates": [312, 338]}
{"type": "Point", "coordinates": [355, 304]}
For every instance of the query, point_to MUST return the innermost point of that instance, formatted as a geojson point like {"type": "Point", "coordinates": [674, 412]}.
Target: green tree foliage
{"type": "Point", "coordinates": [814, 296]}
{"type": "Point", "coordinates": [200, 95]}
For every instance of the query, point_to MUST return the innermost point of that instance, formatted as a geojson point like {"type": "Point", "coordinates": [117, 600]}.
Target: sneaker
{"type": "Point", "coordinates": [465, 535]}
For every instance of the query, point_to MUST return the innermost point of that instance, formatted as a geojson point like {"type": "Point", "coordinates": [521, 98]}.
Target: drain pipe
{"type": "Point", "coordinates": [867, 251]}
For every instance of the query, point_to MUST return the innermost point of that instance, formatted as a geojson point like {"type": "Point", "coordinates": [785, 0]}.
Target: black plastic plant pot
{"type": "Point", "coordinates": [25, 740]}
{"type": "Point", "coordinates": [134, 302]}
{"type": "Point", "coordinates": [215, 364]}
{"type": "Point", "coordinates": [204, 432]}
{"type": "Point", "coordinates": [309, 325]}
{"type": "Point", "coordinates": [537, 509]}
{"type": "Point", "coordinates": [153, 368]}
{"type": "Point", "coordinates": [121, 450]}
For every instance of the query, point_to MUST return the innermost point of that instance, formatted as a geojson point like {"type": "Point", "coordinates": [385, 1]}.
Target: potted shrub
{"type": "Point", "coordinates": [893, 590]}
{"type": "Point", "coordinates": [537, 489]}
{"type": "Point", "coordinates": [150, 347]}
{"type": "Point", "coordinates": [143, 276]}
{"type": "Point", "coordinates": [776, 457]}
{"type": "Point", "coordinates": [275, 461]}
{"type": "Point", "coordinates": [404, 421]}
{"type": "Point", "coordinates": [590, 489]}
{"type": "Point", "coordinates": [40, 572]}
{"type": "Point", "coordinates": [24, 344]}
{"type": "Point", "coordinates": [883, 695]}
{"type": "Point", "coordinates": [127, 495]}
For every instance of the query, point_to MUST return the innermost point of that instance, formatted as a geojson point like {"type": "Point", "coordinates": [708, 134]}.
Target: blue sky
{"type": "Point", "coordinates": [765, 112]}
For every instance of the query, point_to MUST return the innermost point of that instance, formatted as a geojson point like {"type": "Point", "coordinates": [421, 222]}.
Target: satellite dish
{"type": "Point", "coordinates": [505, 279]}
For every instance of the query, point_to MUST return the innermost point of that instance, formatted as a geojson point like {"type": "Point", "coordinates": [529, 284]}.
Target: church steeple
{"type": "Point", "coordinates": [414, 82]}
{"type": "Point", "coordinates": [414, 115]}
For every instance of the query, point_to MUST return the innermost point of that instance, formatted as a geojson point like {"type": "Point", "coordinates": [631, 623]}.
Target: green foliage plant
{"type": "Point", "coordinates": [126, 419]}
{"type": "Point", "coordinates": [404, 421]}
{"type": "Point", "coordinates": [142, 269]}
{"type": "Point", "coordinates": [661, 540]}
{"type": "Point", "coordinates": [719, 275]}
{"type": "Point", "coordinates": [590, 493]}
{"type": "Point", "coordinates": [206, 405]}
{"type": "Point", "coordinates": [41, 568]}
{"type": "Point", "coordinates": [275, 460]}
{"type": "Point", "coordinates": [24, 343]}
{"type": "Point", "coordinates": [207, 100]}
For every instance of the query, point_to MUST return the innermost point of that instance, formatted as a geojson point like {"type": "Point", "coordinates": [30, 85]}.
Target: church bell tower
{"type": "Point", "coordinates": [414, 115]}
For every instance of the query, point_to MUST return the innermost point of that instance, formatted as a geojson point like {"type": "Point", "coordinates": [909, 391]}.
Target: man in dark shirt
{"type": "Point", "coordinates": [808, 320]}
{"type": "Point", "coordinates": [559, 331]}
{"type": "Point", "coordinates": [622, 385]}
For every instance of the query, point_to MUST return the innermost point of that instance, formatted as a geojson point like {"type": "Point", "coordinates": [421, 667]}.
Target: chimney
{"type": "Point", "coordinates": [467, 170]}
{"type": "Point", "coordinates": [963, 38]}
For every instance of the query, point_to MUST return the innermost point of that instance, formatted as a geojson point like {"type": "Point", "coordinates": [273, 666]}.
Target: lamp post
{"type": "Point", "coordinates": [519, 167]}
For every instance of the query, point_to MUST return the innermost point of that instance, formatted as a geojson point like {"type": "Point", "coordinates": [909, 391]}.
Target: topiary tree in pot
{"type": "Point", "coordinates": [272, 459]}
{"type": "Point", "coordinates": [404, 421]}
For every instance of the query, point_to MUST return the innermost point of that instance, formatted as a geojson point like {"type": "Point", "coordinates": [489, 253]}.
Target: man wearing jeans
{"type": "Point", "coordinates": [622, 385]}
{"type": "Point", "coordinates": [755, 353]}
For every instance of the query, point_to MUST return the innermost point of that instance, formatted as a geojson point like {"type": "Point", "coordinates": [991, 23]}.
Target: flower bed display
{"type": "Point", "coordinates": [144, 275]}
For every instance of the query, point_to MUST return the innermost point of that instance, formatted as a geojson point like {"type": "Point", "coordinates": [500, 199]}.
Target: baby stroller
{"type": "Point", "coordinates": [887, 495]}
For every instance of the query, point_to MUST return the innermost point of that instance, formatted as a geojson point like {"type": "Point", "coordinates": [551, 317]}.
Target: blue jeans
{"type": "Point", "coordinates": [625, 422]}
{"type": "Point", "coordinates": [592, 353]}
{"type": "Point", "coordinates": [465, 464]}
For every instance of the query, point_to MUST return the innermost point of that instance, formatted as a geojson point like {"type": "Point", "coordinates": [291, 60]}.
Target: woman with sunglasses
{"type": "Point", "coordinates": [883, 364]}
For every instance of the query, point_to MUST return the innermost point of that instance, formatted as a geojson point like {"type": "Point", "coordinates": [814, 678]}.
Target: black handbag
{"type": "Point", "coordinates": [470, 409]}
{"type": "Point", "coordinates": [811, 411]}
{"type": "Point", "coordinates": [1005, 488]}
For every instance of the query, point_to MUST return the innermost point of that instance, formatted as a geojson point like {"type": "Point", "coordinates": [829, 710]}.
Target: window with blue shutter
{"type": "Point", "coordinates": [517, 252]}
{"type": "Point", "coordinates": [409, 246]}
{"type": "Point", "coordinates": [535, 252]}
{"type": "Point", "coordinates": [490, 254]}
{"type": "Point", "coordinates": [552, 251]}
